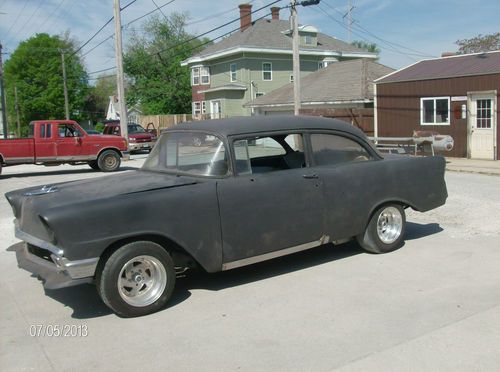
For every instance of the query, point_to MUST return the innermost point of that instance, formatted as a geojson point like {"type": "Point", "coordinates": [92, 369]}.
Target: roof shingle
{"type": "Point", "coordinates": [447, 67]}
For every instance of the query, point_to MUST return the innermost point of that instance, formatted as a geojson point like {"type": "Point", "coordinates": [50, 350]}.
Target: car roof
{"type": "Point", "coordinates": [255, 124]}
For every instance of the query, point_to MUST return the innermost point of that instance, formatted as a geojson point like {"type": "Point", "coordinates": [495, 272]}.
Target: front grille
{"type": "Point", "coordinates": [40, 252]}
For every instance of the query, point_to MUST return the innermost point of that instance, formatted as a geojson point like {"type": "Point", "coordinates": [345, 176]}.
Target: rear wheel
{"type": "Point", "coordinates": [137, 279]}
{"type": "Point", "coordinates": [108, 161]}
{"type": "Point", "coordinates": [385, 231]}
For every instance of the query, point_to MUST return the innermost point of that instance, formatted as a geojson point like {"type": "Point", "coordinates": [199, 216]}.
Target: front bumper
{"type": "Point", "coordinates": [48, 262]}
{"type": "Point", "coordinates": [137, 146]}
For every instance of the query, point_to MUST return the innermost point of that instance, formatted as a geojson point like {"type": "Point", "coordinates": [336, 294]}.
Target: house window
{"type": "Point", "coordinates": [258, 94]}
{"type": "Point", "coordinates": [203, 107]}
{"type": "Point", "coordinates": [308, 39]}
{"type": "Point", "coordinates": [232, 70]}
{"type": "Point", "coordinates": [435, 111]}
{"type": "Point", "coordinates": [483, 113]}
{"type": "Point", "coordinates": [197, 108]}
{"type": "Point", "coordinates": [267, 71]}
{"type": "Point", "coordinates": [205, 75]}
{"type": "Point", "coordinates": [291, 78]}
{"type": "Point", "coordinates": [195, 76]}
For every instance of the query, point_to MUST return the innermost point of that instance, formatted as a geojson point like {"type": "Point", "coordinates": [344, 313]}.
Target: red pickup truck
{"type": "Point", "coordinates": [53, 142]}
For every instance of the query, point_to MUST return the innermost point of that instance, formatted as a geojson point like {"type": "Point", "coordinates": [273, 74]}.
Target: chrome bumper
{"type": "Point", "coordinates": [58, 273]}
{"type": "Point", "coordinates": [136, 146]}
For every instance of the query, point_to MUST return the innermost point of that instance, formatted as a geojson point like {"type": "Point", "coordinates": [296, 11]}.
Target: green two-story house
{"type": "Point", "coordinates": [255, 60]}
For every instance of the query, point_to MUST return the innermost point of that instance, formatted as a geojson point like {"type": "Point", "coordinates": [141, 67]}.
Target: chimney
{"type": "Point", "coordinates": [275, 11]}
{"type": "Point", "coordinates": [448, 54]}
{"type": "Point", "coordinates": [245, 16]}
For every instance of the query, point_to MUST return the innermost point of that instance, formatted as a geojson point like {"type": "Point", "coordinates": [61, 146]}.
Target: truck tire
{"type": "Point", "coordinates": [108, 161]}
{"type": "Point", "coordinates": [93, 164]}
{"type": "Point", "coordinates": [385, 231]}
{"type": "Point", "coordinates": [137, 279]}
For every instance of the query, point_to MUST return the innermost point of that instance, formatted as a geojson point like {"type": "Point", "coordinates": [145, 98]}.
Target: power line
{"type": "Point", "coordinates": [387, 42]}
{"type": "Point", "coordinates": [15, 21]}
{"type": "Point", "coordinates": [127, 24]}
{"type": "Point", "coordinates": [102, 28]}
{"type": "Point", "coordinates": [31, 17]}
{"type": "Point", "coordinates": [104, 69]}
{"type": "Point", "coordinates": [218, 28]}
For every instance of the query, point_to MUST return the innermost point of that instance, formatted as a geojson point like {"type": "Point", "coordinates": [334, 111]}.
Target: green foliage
{"type": "Point", "coordinates": [99, 95]}
{"type": "Point", "coordinates": [99, 127]}
{"type": "Point", "coordinates": [478, 44]}
{"type": "Point", "coordinates": [157, 81]}
{"type": "Point", "coordinates": [369, 47]}
{"type": "Point", "coordinates": [35, 68]}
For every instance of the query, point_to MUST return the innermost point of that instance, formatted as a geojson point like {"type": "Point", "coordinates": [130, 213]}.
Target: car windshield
{"type": "Point", "coordinates": [135, 128]}
{"type": "Point", "coordinates": [193, 153]}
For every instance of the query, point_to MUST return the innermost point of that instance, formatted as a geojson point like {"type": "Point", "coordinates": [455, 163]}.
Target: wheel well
{"type": "Point", "coordinates": [402, 203]}
{"type": "Point", "coordinates": [179, 255]}
{"type": "Point", "coordinates": [112, 149]}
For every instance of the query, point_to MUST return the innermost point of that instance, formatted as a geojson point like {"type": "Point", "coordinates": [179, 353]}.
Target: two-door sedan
{"type": "Point", "coordinates": [262, 187]}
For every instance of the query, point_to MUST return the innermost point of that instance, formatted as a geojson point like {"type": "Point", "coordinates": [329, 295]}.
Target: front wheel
{"type": "Point", "coordinates": [137, 279]}
{"type": "Point", "coordinates": [385, 231]}
{"type": "Point", "coordinates": [108, 161]}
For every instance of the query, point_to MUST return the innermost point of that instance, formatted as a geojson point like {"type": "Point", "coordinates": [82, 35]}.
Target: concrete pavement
{"type": "Point", "coordinates": [433, 305]}
{"type": "Point", "coordinates": [488, 167]}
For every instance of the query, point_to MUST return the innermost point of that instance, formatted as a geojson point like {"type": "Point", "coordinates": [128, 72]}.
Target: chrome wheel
{"type": "Point", "coordinates": [142, 281]}
{"type": "Point", "coordinates": [110, 162]}
{"type": "Point", "coordinates": [389, 225]}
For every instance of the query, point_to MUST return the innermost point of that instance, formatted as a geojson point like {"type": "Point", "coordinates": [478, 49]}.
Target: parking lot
{"type": "Point", "coordinates": [432, 305]}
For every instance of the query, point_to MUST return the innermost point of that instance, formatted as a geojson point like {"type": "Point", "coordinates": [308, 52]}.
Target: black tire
{"type": "Point", "coordinates": [93, 164]}
{"type": "Point", "coordinates": [109, 161]}
{"type": "Point", "coordinates": [110, 270]}
{"type": "Point", "coordinates": [382, 238]}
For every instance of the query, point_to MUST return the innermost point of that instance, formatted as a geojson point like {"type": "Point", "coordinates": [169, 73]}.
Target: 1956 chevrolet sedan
{"type": "Point", "coordinates": [260, 188]}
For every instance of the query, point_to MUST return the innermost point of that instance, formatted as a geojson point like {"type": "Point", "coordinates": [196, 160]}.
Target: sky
{"type": "Point", "coordinates": [405, 30]}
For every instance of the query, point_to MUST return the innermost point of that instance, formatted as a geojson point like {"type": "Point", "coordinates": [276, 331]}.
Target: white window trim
{"type": "Point", "coordinates": [193, 75]}
{"type": "Point", "coordinates": [422, 110]}
{"type": "Point", "coordinates": [231, 72]}
{"type": "Point", "coordinates": [194, 108]}
{"type": "Point", "coordinates": [203, 107]}
{"type": "Point", "coordinates": [270, 71]}
{"type": "Point", "coordinates": [202, 75]}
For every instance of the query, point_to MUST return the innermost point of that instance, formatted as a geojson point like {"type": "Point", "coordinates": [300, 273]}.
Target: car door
{"type": "Point", "coordinates": [273, 205]}
{"type": "Point", "coordinates": [68, 143]}
{"type": "Point", "coordinates": [351, 183]}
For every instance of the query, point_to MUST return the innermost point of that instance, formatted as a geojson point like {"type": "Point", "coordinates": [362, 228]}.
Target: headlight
{"type": "Point", "coordinates": [131, 139]}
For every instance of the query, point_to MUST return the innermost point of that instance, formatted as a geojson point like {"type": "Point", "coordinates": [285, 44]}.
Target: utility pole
{"type": "Point", "coordinates": [66, 103]}
{"type": "Point", "coordinates": [2, 93]}
{"type": "Point", "coordinates": [296, 58]}
{"type": "Point", "coordinates": [16, 106]}
{"type": "Point", "coordinates": [119, 71]}
{"type": "Point", "coordinates": [350, 8]}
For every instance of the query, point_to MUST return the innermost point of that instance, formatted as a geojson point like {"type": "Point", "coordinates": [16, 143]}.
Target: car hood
{"type": "Point", "coordinates": [40, 198]}
{"type": "Point", "coordinates": [141, 135]}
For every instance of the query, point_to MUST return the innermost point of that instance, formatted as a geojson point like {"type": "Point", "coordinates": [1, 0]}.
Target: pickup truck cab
{"type": "Point", "coordinates": [54, 142]}
{"type": "Point", "coordinates": [139, 139]}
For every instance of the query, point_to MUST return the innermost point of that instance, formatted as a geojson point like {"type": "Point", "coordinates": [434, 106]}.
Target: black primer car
{"type": "Point", "coordinates": [266, 187]}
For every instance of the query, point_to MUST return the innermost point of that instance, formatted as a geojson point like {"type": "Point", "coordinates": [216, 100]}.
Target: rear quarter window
{"type": "Point", "coordinates": [331, 149]}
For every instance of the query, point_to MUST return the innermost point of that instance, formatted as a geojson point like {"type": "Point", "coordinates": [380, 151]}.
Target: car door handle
{"type": "Point", "coordinates": [310, 176]}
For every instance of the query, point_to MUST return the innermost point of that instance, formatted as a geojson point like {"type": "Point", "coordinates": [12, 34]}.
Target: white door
{"type": "Point", "coordinates": [215, 110]}
{"type": "Point", "coordinates": [482, 123]}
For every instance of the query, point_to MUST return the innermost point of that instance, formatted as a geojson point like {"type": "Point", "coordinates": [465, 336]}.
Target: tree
{"type": "Point", "coordinates": [100, 93]}
{"type": "Point", "coordinates": [369, 47]}
{"type": "Point", "coordinates": [35, 68]}
{"type": "Point", "coordinates": [152, 62]}
{"type": "Point", "coordinates": [478, 44]}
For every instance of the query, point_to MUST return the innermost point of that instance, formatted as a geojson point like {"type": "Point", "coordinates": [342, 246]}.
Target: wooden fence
{"type": "Point", "coordinates": [359, 117]}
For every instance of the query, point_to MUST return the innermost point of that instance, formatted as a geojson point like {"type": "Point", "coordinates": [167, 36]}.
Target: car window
{"type": "Point", "coordinates": [192, 153]}
{"type": "Point", "coordinates": [331, 149]}
{"type": "Point", "coordinates": [68, 130]}
{"type": "Point", "coordinates": [135, 128]}
{"type": "Point", "coordinates": [269, 153]}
